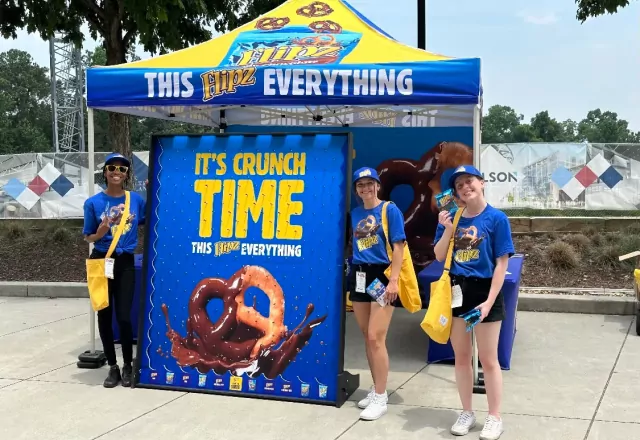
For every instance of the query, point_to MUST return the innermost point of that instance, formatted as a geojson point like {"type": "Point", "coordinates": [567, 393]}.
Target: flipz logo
{"type": "Point", "coordinates": [218, 82]}
{"type": "Point", "coordinates": [226, 247]}
{"type": "Point", "coordinates": [299, 52]}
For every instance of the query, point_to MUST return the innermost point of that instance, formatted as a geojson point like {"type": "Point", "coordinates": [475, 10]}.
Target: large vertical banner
{"type": "Point", "coordinates": [244, 265]}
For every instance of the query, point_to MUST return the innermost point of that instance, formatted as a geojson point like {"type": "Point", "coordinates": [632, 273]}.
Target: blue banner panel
{"type": "Point", "coordinates": [244, 265]}
{"type": "Point", "coordinates": [433, 82]}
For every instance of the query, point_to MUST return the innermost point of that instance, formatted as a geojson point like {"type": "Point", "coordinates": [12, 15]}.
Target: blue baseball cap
{"type": "Point", "coordinates": [116, 156]}
{"type": "Point", "coordinates": [463, 169]}
{"type": "Point", "coordinates": [365, 172]}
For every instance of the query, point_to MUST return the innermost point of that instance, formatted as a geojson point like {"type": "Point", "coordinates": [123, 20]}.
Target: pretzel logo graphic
{"type": "Point", "coordinates": [315, 9]}
{"type": "Point", "coordinates": [326, 26]}
{"type": "Point", "coordinates": [272, 23]}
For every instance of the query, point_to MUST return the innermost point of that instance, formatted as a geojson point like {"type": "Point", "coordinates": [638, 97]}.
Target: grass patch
{"type": "Point", "coordinates": [579, 241]}
{"type": "Point", "coordinates": [562, 255]}
{"type": "Point", "coordinates": [13, 230]}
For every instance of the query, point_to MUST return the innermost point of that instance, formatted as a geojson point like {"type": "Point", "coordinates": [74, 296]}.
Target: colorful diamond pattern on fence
{"type": "Point", "coordinates": [48, 178]}
{"type": "Point", "coordinates": [598, 168]}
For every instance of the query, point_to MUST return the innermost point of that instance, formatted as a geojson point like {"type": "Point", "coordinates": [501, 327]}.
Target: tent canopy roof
{"type": "Point", "coordinates": [302, 54]}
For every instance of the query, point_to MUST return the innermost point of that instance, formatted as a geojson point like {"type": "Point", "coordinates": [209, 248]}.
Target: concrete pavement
{"type": "Point", "coordinates": [573, 376]}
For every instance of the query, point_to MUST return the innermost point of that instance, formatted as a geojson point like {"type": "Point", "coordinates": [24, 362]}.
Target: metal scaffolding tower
{"type": "Point", "coordinates": [67, 85]}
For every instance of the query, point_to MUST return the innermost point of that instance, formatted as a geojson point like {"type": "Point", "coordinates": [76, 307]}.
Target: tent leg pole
{"type": "Point", "coordinates": [477, 136]}
{"type": "Point", "coordinates": [91, 358]}
{"type": "Point", "coordinates": [478, 376]}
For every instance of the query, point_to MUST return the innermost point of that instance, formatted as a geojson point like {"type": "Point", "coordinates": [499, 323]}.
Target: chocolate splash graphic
{"type": "Point", "coordinates": [227, 344]}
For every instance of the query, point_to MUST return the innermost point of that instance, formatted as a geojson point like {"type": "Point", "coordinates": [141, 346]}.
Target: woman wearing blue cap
{"type": "Point", "coordinates": [369, 262]}
{"type": "Point", "coordinates": [482, 248]}
{"type": "Point", "coordinates": [102, 214]}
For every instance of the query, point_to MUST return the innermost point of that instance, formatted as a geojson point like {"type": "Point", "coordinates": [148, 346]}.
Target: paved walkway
{"type": "Point", "coordinates": [573, 377]}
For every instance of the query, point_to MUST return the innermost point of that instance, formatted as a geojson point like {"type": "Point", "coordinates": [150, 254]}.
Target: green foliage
{"type": "Point", "coordinates": [25, 106]}
{"type": "Point", "coordinates": [160, 26]}
{"type": "Point", "coordinates": [595, 8]}
{"type": "Point", "coordinates": [502, 124]}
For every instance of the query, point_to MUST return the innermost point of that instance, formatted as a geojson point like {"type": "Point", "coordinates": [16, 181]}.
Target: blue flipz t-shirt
{"type": "Point", "coordinates": [479, 242]}
{"type": "Point", "coordinates": [101, 204]}
{"type": "Point", "coordinates": [369, 245]}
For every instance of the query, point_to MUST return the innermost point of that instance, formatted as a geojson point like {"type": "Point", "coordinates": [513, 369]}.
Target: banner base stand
{"type": "Point", "coordinates": [91, 359]}
{"type": "Point", "coordinates": [478, 388]}
{"type": "Point", "coordinates": [348, 383]}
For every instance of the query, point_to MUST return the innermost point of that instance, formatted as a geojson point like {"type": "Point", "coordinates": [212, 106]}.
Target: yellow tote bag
{"type": "Point", "coordinates": [437, 321]}
{"type": "Point", "coordinates": [408, 291]}
{"type": "Point", "coordinates": [97, 282]}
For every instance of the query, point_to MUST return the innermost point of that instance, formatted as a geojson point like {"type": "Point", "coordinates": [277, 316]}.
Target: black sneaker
{"type": "Point", "coordinates": [127, 370]}
{"type": "Point", "coordinates": [113, 378]}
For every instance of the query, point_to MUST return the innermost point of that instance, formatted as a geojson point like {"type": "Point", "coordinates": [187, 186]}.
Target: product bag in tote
{"type": "Point", "coordinates": [97, 280]}
{"type": "Point", "coordinates": [408, 291]}
{"type": "Point", "coordinates": [437, 321]}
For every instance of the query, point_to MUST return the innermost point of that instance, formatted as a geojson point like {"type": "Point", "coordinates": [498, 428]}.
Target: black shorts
{"type": "Point", "coordinates": [475, 291]}
{"type": "Point", "coordinates": [372, 272]}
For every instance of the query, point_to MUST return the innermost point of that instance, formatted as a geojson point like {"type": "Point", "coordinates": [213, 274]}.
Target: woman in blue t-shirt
{"type": "Point", "coordinates": [369, 262]}
{"type": "Point", "coordinates": [102, 213]}
{"type": "Point", "coordinates": [482, 248]}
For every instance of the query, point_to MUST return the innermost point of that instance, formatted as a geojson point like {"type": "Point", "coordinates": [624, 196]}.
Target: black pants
{"type": "Point", "coordinates": [121, 289]}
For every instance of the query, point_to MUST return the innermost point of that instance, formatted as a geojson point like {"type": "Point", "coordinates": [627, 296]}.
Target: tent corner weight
{"type": "Point", "coordinates": [91, 359]}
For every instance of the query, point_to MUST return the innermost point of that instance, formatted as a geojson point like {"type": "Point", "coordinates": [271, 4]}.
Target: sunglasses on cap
{"type": "Point", "coordinates": [121, 168]}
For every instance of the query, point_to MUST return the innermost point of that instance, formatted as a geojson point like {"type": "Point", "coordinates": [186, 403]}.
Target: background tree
{"type": "Point", "coordinates": [502, 124]}
{"type": "Point", "coordinates": [25, 104]}
{"type": "Point", "coordinates": [595, 8]}
{"type": "Point", "coordinates": [159, 25]}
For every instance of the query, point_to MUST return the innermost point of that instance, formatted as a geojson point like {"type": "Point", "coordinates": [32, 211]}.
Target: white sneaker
{"type": "Point", "coordinates": [367, 400]}
{"type": "Point", "coordinates": [377, 407]}
{"type": "Point", "coordinates": [492, 429]}
{"type": "Point", "coordinates": [466, 421]}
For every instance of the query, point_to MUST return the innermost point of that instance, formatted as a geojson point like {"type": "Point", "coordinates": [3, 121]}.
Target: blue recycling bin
{"type": "Point", "coordinates": [136, 303]}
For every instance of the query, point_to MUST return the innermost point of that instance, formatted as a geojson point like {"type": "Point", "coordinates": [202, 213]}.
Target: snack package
{"type": "Point", "coordinates": [446, 202]}
{"type": "Point", "coordinates": [376, 290]}
{"type": "Point", "coordinates": [472, 318]}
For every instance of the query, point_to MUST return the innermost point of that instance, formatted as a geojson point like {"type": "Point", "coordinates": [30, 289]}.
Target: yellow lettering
{"type": "Point", "coordinates": [299, 163]}
{"type": "Point", "coordinates": [249, 164]}
{"type": "Point", "coordinates": [367, 242]}
{"type": "Point", "coordinates": [275, 163]}
{"type": "Point", "coordinates": [220, 158]}
{"type": "Point", "coordinates": [198, 163]}
{"type": "Point", "coordinates": [287, 208]}
{"type": "Point", "coordinates": [265, 57]}
{"type": "Point", "coordinates": [293, 53]}
{"type": "Point", "coordinates": [264, 204]}
{"type": "Point", "coordinates": [236, 164]}
{"type": "Point", "coordinates": [228, 201]}
{"type": "Point", "coordinates": [287, 168]}
{"type": "Point", "coordinates": [205, 163]}
{"type": "Point", "coordinates": [207, 189]}
{"type": "Point", "coordinates": [466, 255]}
{"type": "Point", "coordinates": [247, 55]}
{"type": "Point", "coordinates": [262, 164]}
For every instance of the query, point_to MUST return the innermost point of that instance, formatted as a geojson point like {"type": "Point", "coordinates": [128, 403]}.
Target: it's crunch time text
{"type": "Point", "coordinates": [272, 206]}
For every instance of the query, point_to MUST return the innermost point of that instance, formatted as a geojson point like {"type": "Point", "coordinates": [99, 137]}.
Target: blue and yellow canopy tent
{"type": "Point", "coordinates": [306, 62]}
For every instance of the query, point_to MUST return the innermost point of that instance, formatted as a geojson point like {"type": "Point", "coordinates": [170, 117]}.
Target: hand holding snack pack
{"type": "Point", "coordinates": [446, 202]}
{"type": "Point", "coordinates": [377, 290]}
